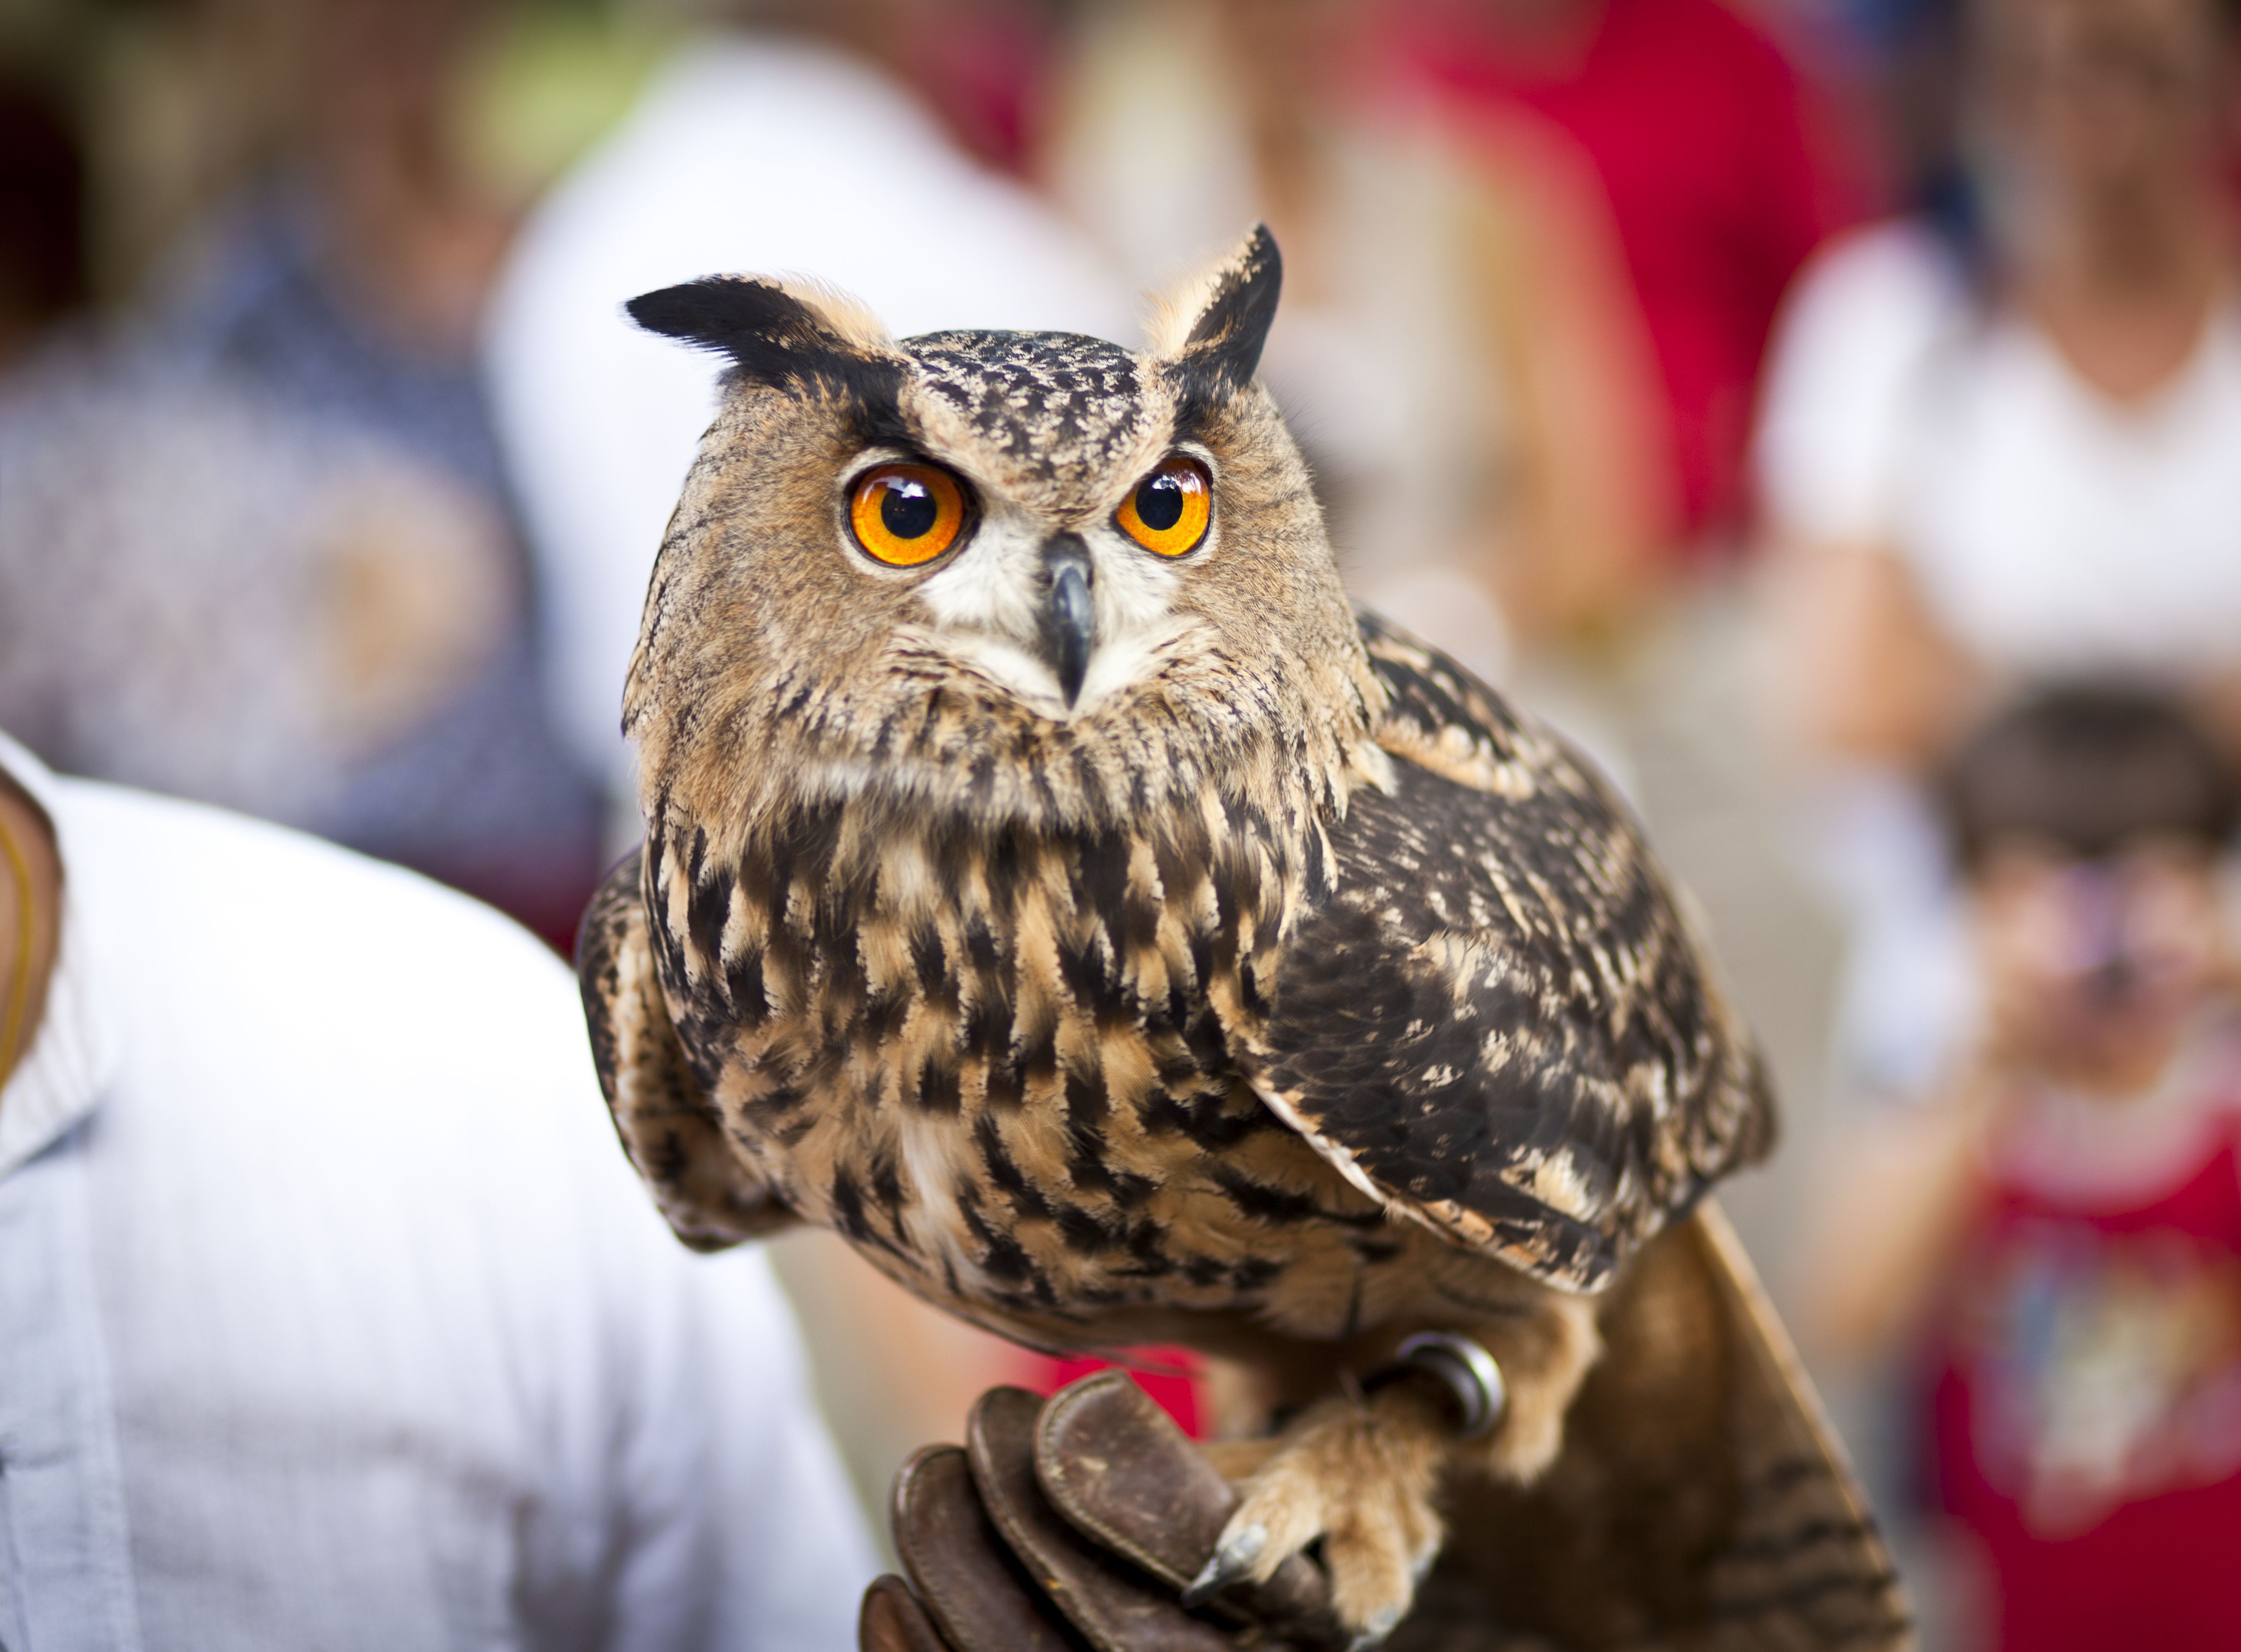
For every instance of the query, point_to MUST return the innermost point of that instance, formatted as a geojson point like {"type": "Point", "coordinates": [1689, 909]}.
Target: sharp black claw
{"type": "Point", "coordinates": [1229, 1563]}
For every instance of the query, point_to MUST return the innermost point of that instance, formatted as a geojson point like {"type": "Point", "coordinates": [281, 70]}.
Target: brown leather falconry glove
{"type": "Point", "coordinates": [1072, 1524]}
{"type": "Point", "coordinates": [1699, 1504]}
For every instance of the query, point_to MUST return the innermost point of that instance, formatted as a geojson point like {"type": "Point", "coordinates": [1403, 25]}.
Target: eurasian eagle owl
{"type": "Point", "coordinates": [1054, 885]}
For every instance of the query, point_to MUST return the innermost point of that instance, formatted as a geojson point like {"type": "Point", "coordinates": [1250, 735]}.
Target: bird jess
{"type": "Point", "coordinates": [1054, 886]}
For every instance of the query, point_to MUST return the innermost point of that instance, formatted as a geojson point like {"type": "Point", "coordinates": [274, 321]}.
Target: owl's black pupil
{"type": "Point", "coordinates": [1159, 502]}
{"type": "Point", "coordinates": [909, 509]}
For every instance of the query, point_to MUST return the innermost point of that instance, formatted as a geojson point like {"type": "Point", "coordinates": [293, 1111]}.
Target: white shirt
{"type": "Point", "coordinates": [2050, 529]}
{"type": "Point", "coordinates": [748, 156]}
{"type": "Point", "coordinates": [332, 1316]}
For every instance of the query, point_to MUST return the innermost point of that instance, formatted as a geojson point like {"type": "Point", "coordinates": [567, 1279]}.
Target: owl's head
{"type": "Point", "coordinates": [1033, 575]}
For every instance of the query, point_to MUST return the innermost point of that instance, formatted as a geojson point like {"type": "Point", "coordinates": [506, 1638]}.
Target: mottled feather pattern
{"type": "Point", "coordinates": [1051, 402]}
{"type": "Point", "coordinates": [1017, 1064]}
{"type": "Point", "coordinates": [1501, 1018]}
{"type": "Point", "coordinates": [997, 1058]}
{"type": "Point", "coordinates": [673, 1137]}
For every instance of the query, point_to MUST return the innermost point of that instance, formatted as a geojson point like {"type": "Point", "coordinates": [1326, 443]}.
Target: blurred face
{"type": "Point", "coordinates": [2106, 94]}
{"type": "Point", "coordinates": [2094, 968]}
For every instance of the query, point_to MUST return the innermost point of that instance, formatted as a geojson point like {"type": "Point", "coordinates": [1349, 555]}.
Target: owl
{"type": "Point", "coordinates": [1054, 885]}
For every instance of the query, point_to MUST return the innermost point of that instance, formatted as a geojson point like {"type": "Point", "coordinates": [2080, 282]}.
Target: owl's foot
{"type": "Point", "coordinates": [1358, 1473]}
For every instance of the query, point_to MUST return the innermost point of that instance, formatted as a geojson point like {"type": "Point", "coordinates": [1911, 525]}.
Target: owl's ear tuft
{"type": "Point", "coordinates": [1214, 326]}
{"type": "Point", "coordinates": [777, 333]}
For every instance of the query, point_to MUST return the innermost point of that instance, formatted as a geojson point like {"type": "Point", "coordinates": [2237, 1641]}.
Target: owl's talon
{"type": "Point", "coordinates": [1232, 1560]}
{"type": "Point", "coordinates": [1358, 1473]}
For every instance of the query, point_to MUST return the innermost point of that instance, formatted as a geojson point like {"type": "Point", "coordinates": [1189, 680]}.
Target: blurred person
{"type": "Point", "coordinates": [332, 1316]}
{"type": "Point", "coordinates": [1721, 169]}
{"type": "Point", "coordinates": [2056, 1229]}
{"type": "Point", "coordinates": [264, 526]}
{"type": "Point", "coordinates": [1458, 349]}
{"type": "Point", "coordinates": [1999, 445]}
{"type": "Point", "coordinates": [2008, 455]}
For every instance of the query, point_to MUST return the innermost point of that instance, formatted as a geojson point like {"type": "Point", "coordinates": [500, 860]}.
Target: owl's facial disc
{"type": "Point", "coordinates": [1066, 606]}
{"type": "Point", "coordinates": [1028, 516]}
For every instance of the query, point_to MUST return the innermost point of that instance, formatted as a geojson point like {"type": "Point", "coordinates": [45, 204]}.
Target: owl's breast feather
{"type": "Point", "coordinates": [1001, 1064]}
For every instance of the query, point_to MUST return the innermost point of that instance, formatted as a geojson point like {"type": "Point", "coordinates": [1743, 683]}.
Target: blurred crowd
{"type": "Point", "coordinates": [1827, 410]}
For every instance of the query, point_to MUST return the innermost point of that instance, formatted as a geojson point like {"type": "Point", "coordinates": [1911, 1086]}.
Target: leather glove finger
{"type": "Point", "coordinates": [1112, 1603]}
{"type": "Point", "coordinates": [968, 1587]}
{"type": "Point", "coordinates": [1118, 1470]}
{"type": "Point", "coordinates": [983, 1581]}
{"type": "Point", "coordinates": [893, 1621]}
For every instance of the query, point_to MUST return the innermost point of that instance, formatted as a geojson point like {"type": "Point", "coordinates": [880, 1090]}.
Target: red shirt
{"type": "Point", "coordinates": [1720, 173]}
{"type": "Point", "coordinates": [2086, 1421]}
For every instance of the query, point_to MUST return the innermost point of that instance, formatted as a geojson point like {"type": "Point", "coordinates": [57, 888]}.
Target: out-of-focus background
{"type": "Point", "coordinates": [1764, 391]}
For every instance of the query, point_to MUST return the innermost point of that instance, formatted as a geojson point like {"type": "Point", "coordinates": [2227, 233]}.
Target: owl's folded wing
{"type": "Point", "coordinates": [1499, 1022]}
{"type": "Point", "coordinates": [667, 1126]}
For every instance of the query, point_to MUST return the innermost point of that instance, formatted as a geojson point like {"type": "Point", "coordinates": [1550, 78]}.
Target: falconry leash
{"type": "Point", "coordinates": [19, 978]}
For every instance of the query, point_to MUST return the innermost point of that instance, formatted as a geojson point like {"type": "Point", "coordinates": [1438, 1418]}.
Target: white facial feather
{"type": "Point", "coordinates": [985, 609]}
{"type": "Point", "coordinates": [993, 586]}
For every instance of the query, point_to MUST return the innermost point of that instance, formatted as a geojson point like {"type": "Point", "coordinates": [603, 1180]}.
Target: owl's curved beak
{"type": "Point", "coordinates": [1069, 618]}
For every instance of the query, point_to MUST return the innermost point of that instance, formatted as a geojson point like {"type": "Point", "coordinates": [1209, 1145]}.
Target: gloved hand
{"type": "Point", "coordinates": [1073, 1524]}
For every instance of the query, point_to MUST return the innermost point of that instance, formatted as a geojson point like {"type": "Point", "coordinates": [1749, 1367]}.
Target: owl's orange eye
{"type": "Point", "coordinates": [1169, 510]}
{"type": "Point", "coordinates": [906, 514]}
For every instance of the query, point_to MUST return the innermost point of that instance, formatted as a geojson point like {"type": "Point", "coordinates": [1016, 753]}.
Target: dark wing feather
{"type": "Point", "coordinates": [668, 1128]}
{"type": "Point", "coordinates": [1499, 1022]}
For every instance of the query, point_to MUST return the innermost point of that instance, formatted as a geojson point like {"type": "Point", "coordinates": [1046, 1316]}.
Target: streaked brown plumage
{"type": "Point", "coordinates": [1259, 980]}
